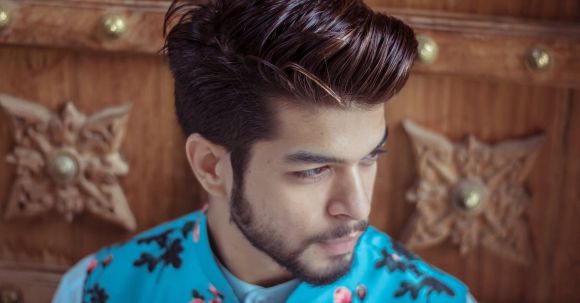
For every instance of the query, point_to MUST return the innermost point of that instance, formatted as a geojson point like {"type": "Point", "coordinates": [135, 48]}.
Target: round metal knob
{"type": "Point", "coordinates": [63, 167]}
{"type": "Point", "coordinates": [10, 295]}
{"type": "Point", "coordinates": [114, 25]}
{"type": "Point", "coordinates": [470, 196]}
{"type": "Point", "coordinates": [427, 49]}
{"type": "Point", "coordinates": [539, 59]}
{"type": "Point", "coordinates": [4, 18]}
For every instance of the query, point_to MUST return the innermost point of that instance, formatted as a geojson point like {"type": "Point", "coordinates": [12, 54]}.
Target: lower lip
{"type": "Point", "coordinates": [340, 246]}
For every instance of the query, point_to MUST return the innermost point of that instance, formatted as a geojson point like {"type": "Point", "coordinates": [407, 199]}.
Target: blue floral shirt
{"type": "Point", "coordinates": [174, 263]}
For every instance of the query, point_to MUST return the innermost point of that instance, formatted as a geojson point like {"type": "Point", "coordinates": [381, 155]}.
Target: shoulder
{"type": "Point", "coordinates": [143, 260]}
{"type": "Point", "coordinates": [159, 236]}
{"type": "Point", "coordinates": [388, 262]}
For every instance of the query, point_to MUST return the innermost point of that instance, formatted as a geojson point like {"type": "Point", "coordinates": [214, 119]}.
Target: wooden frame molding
{"type": "Point", "coordinates": [495, 48]}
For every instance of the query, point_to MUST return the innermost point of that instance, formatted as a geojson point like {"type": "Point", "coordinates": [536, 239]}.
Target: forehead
{"type": "Point", "coordinates": [346, 133]}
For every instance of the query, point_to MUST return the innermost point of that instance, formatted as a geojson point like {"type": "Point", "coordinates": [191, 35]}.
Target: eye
{"type": "Point", "coordinates": [311, 173]}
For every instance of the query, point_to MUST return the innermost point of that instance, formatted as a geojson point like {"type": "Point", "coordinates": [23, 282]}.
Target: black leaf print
{"type": "Point", "coordinates": [160, 239]}
{"type": "Point", "coordinates": [169, 256]}
{"type": "Point", "coordinates": [430, 283]}
{"type": "Point", "coordinates": [402, 251]}
{"type": "Point", "coordinates": [396, 265]}
{"type": "Point", "coordinates": [187, 227]}
{"type": "Point", "coordinates": [394, 262]}
{"type": "Point", "coordinates": [407, 287]}
{"type": "Point", "coordinates": [146, 258]}
{"type": "Point", "coordinates": [97, 294]}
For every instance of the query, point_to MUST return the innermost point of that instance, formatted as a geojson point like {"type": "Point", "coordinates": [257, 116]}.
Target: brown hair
{"type": "Point", "coordinates": [230, 58]}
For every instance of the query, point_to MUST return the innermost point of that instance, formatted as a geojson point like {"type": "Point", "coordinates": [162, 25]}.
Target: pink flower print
{"type": "Point", "coordinates": [196, 232]}
{"type": "Point", "coordinates": [215, 300]}
{"type": "Point", "coordinates": [92, 265]}
{"type": "Point", "coordinates": [342, 295]}
{"type": "Point", "coordinates": [361, 292]}
{"type": "Point", "coordinates": [214, 290]}
{"type": "Point", "coordinates": [396, 257]}
{"type": "Point", "coordinates": [197, 300]}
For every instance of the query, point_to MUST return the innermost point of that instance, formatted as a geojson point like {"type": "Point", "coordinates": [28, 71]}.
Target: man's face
{"type": "Point", "coordinates": [307, 193]}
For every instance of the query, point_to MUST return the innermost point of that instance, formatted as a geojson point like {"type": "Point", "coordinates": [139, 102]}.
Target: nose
{"type": "Point", "coordinates": [350, 198]}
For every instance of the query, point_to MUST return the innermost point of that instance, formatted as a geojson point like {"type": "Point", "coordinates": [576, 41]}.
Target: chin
{"type": "Point", "coordinates": [334, 268]}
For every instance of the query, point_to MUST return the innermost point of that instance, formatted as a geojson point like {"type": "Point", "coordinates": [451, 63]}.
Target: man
{"type": "Point", "coordinates": [283, 106]}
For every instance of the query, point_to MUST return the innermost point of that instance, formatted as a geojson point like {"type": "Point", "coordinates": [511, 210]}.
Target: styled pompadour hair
{"type": "Point", "coordinates": [232, 58]}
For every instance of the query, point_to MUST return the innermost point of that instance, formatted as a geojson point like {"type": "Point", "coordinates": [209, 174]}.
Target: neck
{"type": "Point", "coordinates": [237, 254]}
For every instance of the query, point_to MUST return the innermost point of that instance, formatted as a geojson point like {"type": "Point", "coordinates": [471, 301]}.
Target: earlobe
{"type": "Point", "coordinates": [205, 159]}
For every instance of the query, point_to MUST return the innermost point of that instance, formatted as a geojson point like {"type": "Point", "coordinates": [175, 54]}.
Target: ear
{"type": "Point", "coordinates": [209, 163]}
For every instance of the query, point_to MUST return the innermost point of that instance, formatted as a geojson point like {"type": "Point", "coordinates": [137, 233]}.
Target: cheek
{"type": "Point", "coordinates": [370, 178]}
{"type": "Point", "coordinates": [290, 207]}
{"type": "Point", "coordinates": [306, 204]}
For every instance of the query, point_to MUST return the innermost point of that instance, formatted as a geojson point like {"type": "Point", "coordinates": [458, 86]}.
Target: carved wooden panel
{"type": "Point", "coordinates": [67, 162]}
{"type": "Point", "coordinates": [472, 193]}
{"type": "Point", "coordinates": [493, 112]}
{"type": "Point", "coordinates": [159, 185]}
{"type": "Point", "coordinates": [489, 47]}
{"type": "Point", "coordinates": [480, 84]}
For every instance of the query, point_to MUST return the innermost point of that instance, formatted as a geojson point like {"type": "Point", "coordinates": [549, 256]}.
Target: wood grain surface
{"type": "Point", "coordinates": [493, 112]}
{"type": "Point", "coordinates": [568, 10]}
{"type": "Point", "coordinates": [153, 146]}
{"type": "Point", "coordinates": [52, 53]}
{"type": "Point", "coordinates": [482, 46]}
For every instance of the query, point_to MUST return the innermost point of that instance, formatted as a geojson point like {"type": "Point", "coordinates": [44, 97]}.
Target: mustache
{"type": "Point", "coordinates": [341, 231]}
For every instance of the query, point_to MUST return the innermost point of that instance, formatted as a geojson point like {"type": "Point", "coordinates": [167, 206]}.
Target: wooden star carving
{"type": "Point", "coordinates": [67, 162]}
{"type": "Point", "coordinates": [472, 193]}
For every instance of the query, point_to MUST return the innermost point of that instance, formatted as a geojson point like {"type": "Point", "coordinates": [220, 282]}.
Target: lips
{"type": "Point", "coordinates": [341, 246]}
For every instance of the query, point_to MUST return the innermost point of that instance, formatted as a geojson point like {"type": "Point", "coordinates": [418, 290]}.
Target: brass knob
{"type": "Point", "coordinates": [470, 196]}
{"type": "Point", "coordinates": [427, 49]}
{"type": "Point", "coordinates": [539, 59]}
{"type": "Point", "coordinates": [63, 167]}
{"type": "Point", "coordinates": [114, 25]}
{"type": "Point", "coordinates": [4, 18]}
{"type": "Point", "coordinates": [10, 295]}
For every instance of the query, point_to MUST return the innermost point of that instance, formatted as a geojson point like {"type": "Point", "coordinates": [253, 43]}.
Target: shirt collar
{"type": "Point", "coordinates": [225, 281]}
{"type": "Point", "coordinates": [247, 292]}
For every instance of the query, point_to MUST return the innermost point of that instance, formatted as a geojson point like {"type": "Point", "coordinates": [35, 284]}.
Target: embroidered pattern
{"type": "Point", "coordinates": [169, 256]}
{"type": "Point", "coordinates": [171, 248]}
{"type": "Point", "coordinates": [96, 294]}
{"type": "Point", "coordinates": [403, 260]}
{"type": "Point", "coordinates": [394, 262]}
{"type": "Point", "coordinates": [409, 280]}
{"type": "Point", "coordinates": [432, 284]}
{"type": "Point", "coordinates": [200, 298]}
{"type": "Point", "coordinates": [168, 242]}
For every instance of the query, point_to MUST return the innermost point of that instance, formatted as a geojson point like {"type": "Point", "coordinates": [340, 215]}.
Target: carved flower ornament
{"type": "Point", "coordinates": [67, 162]}
{"type": "Point", "coordinates": [471, 192]}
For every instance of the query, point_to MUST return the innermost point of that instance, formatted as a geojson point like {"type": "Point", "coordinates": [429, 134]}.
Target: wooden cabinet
{"type": "Point", "coordinates": [487, 80]}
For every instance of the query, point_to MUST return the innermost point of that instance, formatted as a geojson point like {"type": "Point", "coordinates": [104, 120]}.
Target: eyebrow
{"type": "Point", "coordinates": [308, 157]}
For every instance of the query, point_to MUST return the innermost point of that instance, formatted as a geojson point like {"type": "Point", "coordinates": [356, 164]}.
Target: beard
{"type": "Point", "coordinates": [273, 243]}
